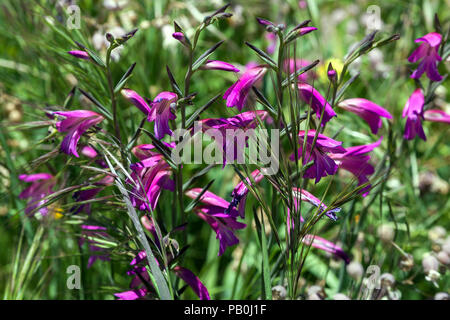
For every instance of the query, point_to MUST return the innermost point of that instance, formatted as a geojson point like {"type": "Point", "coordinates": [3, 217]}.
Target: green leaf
{"type": "Point", "coordinates": [264, 56]}
{"type": "Point", "coordinates": [197, 112]}
{"type": "Point", "coordinates": [199, 62]}
{"type": "Point", "coordinates": [124, 78]}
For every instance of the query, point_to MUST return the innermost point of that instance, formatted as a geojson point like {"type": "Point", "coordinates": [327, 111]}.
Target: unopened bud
{"type": "Point", "coordinates": [386, 233]}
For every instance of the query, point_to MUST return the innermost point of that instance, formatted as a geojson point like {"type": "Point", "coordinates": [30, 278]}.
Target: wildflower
{"type": "Point", "coordinates": [137, 100]}
{"type": "Point", "coordinates": [325, 245]}
{"type": "Point", "coordinates": [317, 102]}
{"type": "Point", "coordinates": [437, 116]}
{"type": "Point", "coordinates": [427, 52]}
{"type": "Point", "coordinates": [213, 212]}
{"type": "Point", "coordinates": [272, 38]}
{"type": "Point", "coordinates": [279, 293]}
{"type": "Point", "coordinates": [303, 195]}
{"type": "Point", "coordinates": [219, 65]}
{"type": "Point", "coordinates": [240, 192]}
{"type": "Point", "coordinates": [89, 194]}
{"type": "Point", "coordinates": [150, 175]}
{"type": "Point", "coordinates": [414, 112]}
{"type": "Point", "coordinates": [88, 232]}
{"type": "Point", "coordinates": [386, 233]}
{"type": "Point", "coordinates": [41, 186]}
{"type": "Point", "coordinates": [322, 165]}
{"type": "Point", "coordinates": [292, 65]}
{"type": "Point", "coordinates": [79, 54]}
{"type": "Point", "coordinates": [367, 110]}
{"type": "Point", "coordinates": [141, 276]}
{"type": "Point", "coordinates": [237, 94]}
{"type": "Point", "coordinates": [243, 121]}
{"type": "Point", "coordinates": [161, 112]}
{"type": "Point", "coordinates": [356, 160]}
{"type": "Point", "coordinates": [75, 124]}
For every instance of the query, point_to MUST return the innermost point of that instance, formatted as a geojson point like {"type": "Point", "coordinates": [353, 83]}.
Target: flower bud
{"type": "Point", "coordinates": [355, 270]}
{"type": "Point", "coordinates": [331, 73]}
{"type": "Point", "coordinates": [109, 37]}
{"type": "Point", "coordinates": [79, 54]}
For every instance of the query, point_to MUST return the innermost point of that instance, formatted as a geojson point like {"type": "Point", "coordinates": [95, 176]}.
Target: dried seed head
{"type": "Point", "coordinates": [442, 296]}
{"type": "Point", "coordinates": [406, 262]}
{"type": "Point", "coordinates": [386, 233]}
{"type": "Point", "coordinates": [279, 293]}
{"type": "Point", "coordinates": [355, 270]}
{"type": "Point", "coordinates": [437, 233]}
{"type": "Point", "coordinates": [387, 280]}
{"type": "Point", "coordinates": [340, 296]}
{"type": "Point", "coordinates": [443, 257]}
{"type": "Point", "coordinates": [429, 263]}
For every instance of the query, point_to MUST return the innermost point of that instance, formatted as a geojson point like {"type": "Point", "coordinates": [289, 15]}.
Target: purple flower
{"type": "Point", "coordinates": [325, 245]}
{"type": "Point", "coordinates": [182, 38]}
{"type": "Point", "coordinates": [367, 110]}
{"type": "Point", "coordinates": [317, 102]}
{"type": "Point", "coordinates": [272, 38]}
{"type": "Point", "coordinates": [303, 195]}
{"type": "Point", "coordinates": [323, 165]}
{"type": "Point", "coordinates": [41, 186]}
{"type": "Point", "coordinates": [150, 175]}
{"type": "Point", "coordinates": [427, 52]}
{"type": "Point", "coordinates": [137, 100]}
{"type": "Point", "coordinates": [161, 112]}
{"type": "Point", "coordinates": [225, 126]}
{"type": "Point", "coordinates": [437, 116]}
{"type": "Point", "coordinates": [213, 211]}
{"type": "Point", "coordinates": [240, 192]}
{"type": "Point", "coordinates": [89, 194]}
{"type": "Point", "coordinates": [88, 232]}
{"type": "Point", "coordinates": [75, 124]}
{"type": "Point", "coordinates": [219, 65]}
{"type": "Point", "coordinates": [292, 65]}
{"type": "Point", "coordinates": [237, 94]}
{"type": "Point", "coordinates": [193, 281]}
{"type": "Point", "coordinates": [414, 112]}
{"type": "Point", "coordinates": [356, 161]}
{"type": "Point", "coordinates": [79, 54]}
{"type": "Point", "coordinates": [264, 22]}
{"type": "Point", "coordinates": [141, 276]}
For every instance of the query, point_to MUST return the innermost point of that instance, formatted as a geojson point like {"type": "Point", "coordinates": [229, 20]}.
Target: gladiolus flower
{"type": "Point", "coordinates": [436, 116]}
{"type": "Point", "coordinates": [367, 110]}
{"type": "Point", "coordinates": [237, 94]}
{"type": "Point", "coordinates": [213, 211]}
{"type": "Point", "coordinates": [325, 245]}
{"type": "Point", "coordinates": [88, 232]}
{"type": "Point", "coordinates": [75, 124]}
{"type": "Point", "coordinates": [150, 175]}
{"type": "Point", "coordinates": [137, 100]}
{"type": "Point", "coordinates": [317, 102]}
{"type": "Point", "coordinates": [356, 161]}
{"type": "Point", "coordinates": [240, 192]}
{"type": "Point", "coordinates": [79, 54]}
{"type": "Point", "coordinates": [41, 186]}
{"type": "Point", "coordinates": [323, 165]}
{"type": "Point", "coordinates": [219, 65]}
{"type": "Point", "coordinates": [161, 112]}
{"type": "Point", "coordinates": [243, 121]}
{"type": "Point", "coordinates": [427, 52]}
{"type": "Point", "coordinates": [414, 112]}
{"type": "Point", "coordinates": [89, 194]}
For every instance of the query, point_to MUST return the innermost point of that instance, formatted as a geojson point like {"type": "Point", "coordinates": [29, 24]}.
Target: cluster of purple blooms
{"type": "Point", "coordinates": [152, 174]}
